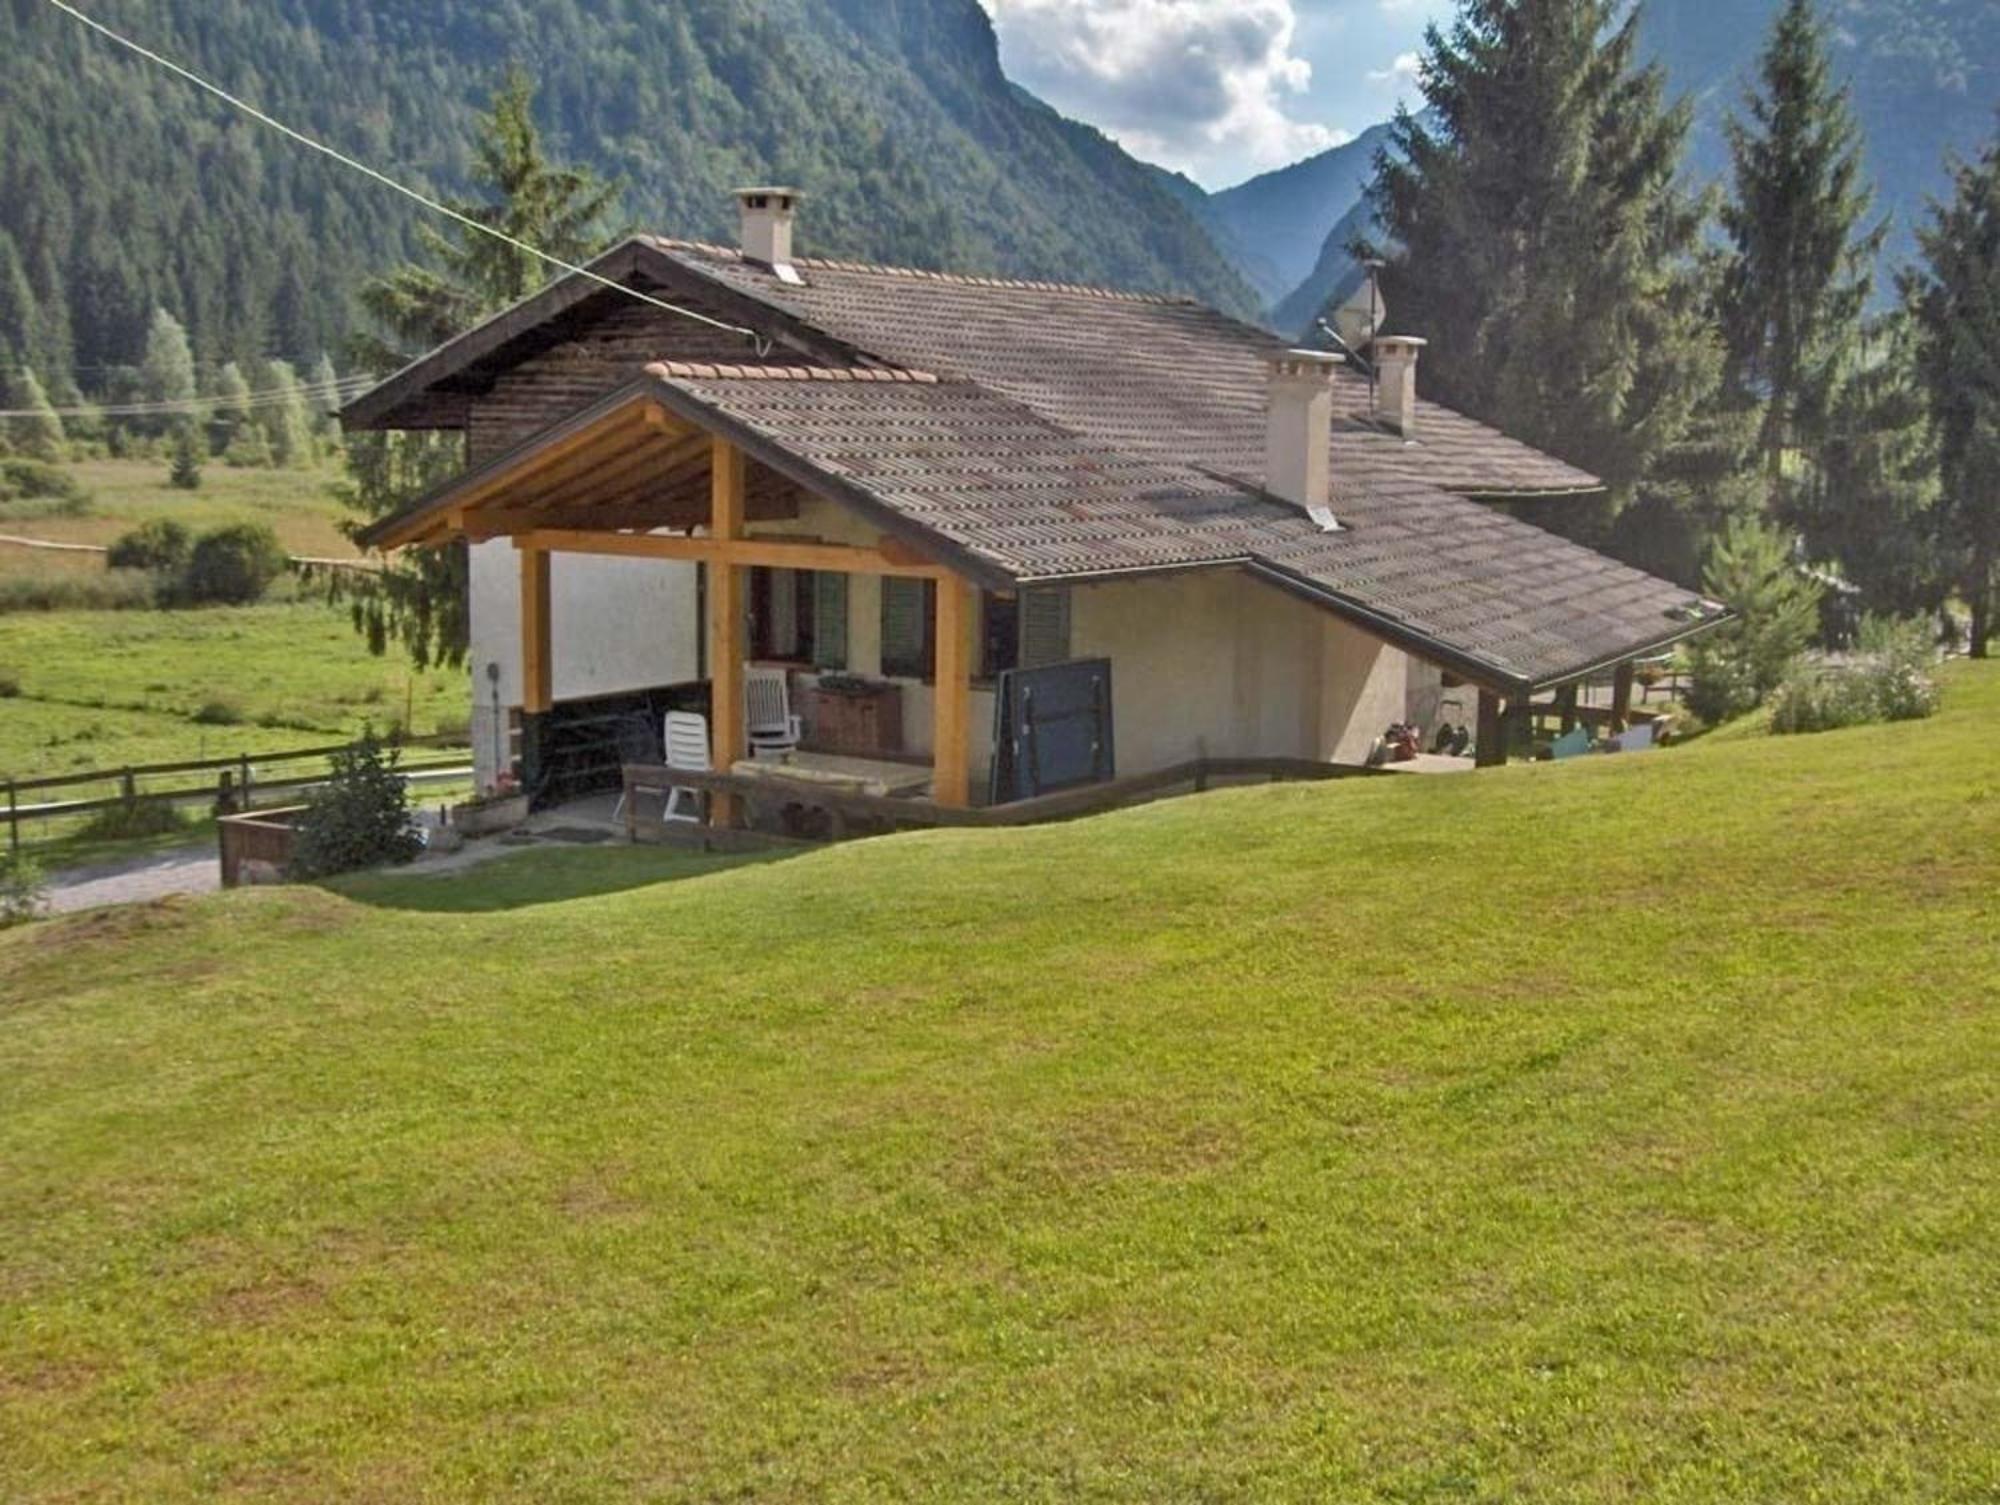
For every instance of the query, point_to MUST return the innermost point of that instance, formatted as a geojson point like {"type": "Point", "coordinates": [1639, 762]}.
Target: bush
{"type": "Point", "coordinates": [35, 480]}
{"type": "Point", "coordinates": [134, 818]}
{"type": "Point", "coordinates": [1890, 679]}
{"type": "Point", "coordinates": [233, 566]}
{"type": "Point", "coordinates": [159, 543]}
{"type": "Point", "coordinates": [22, 891]}
{"type": "Point", "coordinates": [110, 590]}
{"type": "Point", "coordinates": [218, 710]}
{"type": "Point", "coordinates": [359, 819]}
{"type": "Point", "coordinates": [10, 684]}
{"type": "Point", "coordinates": [1735, 666]}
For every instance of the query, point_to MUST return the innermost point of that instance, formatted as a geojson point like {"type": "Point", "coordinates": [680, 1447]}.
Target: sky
{"type": "Point", "coordinates": [1218, 89]}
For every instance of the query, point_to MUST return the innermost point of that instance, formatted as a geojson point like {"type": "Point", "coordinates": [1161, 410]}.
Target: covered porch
{"type": "Point", "coordinates": [634, 481]}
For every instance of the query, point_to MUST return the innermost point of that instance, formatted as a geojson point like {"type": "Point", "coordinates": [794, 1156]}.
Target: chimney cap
{"type": "Point", "coordinates": [1310, 364]}
{"type": "Point", "coordinates": [768, 191]}
{"type": "Point", "coordinates": [1398, 344]}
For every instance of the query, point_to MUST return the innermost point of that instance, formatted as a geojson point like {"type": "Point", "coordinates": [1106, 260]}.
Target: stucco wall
{"type": "Point", "coordinates": [1213, 663]}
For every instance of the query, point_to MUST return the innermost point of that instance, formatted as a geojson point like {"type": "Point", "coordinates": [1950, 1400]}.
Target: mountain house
{"type": "Point", "coordinates": [1152, 526]}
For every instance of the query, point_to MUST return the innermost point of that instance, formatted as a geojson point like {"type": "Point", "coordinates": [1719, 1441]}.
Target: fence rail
{"type": "Point", "coordinates": [236, 780]}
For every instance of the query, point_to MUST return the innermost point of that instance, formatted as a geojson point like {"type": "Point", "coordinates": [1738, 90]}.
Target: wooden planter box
{"type": "Point", "coordinates": [256, 847]}
{"type": "Point", "coordinates": [486, 817]}
{"type": "Point", "coordinates": [858, 722]}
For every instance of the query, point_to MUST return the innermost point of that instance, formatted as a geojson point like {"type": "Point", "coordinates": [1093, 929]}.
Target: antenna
{"type": "Point", "coordinates": [1374, 264]}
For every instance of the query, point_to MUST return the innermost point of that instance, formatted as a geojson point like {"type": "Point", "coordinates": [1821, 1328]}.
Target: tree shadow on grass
{"type": "Point", "coordinates": [539, 875]}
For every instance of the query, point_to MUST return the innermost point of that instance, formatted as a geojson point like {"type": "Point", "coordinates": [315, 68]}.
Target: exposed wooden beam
{"type": "Point", "coordinates": [558, 457]}
{"type": "Point", "coordinates": [1621, 696]}
{"type": "Point", "coordinates": [726, 601]}
{"type": "Point", "coordinates": [537, 677]}
{"type": "Point", "coordinates": [951, 694]}
{"type": "Point", "coordinates": [741, 552]}
{"type": "Point", "coordinates": [1489, 748]}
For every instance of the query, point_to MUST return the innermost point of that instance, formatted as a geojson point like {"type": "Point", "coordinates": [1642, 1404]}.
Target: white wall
{"type": "Point", "coordinates": [615, 625]}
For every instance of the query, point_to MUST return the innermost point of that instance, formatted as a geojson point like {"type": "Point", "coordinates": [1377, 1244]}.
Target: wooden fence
{"type": "Point", "coordinates": [813, 813]}
{"type": "Point", "coordinates": [224, 782]}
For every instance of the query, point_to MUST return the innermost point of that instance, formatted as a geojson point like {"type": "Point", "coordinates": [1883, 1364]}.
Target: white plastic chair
{"type": "Point", "coordinates": [769, 724]}
{"type": "Point", "coordinates": [685, 735]}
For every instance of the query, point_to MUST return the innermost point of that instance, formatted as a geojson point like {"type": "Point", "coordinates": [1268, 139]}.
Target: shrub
{"type": "Point", "coordinates": [35, 480]}
{"type": "Point", "coordinates": [10, 684]}
{"type": "Point", "coordinates": [1735, 666]}
{"type": "Point", "coordinates": [218, 710]}
{"type": "Point", "coordinates": [360, 818]}
{"type": "Point", "coordinates": [233, 566]}
{"type": "Point", "coordinates": [134, 818]}
{"type": "Point", "coordinates": [1889, 679]}
{"type": "Point", "coordinates": [159, 543]}
{"type": "Point", "coordinates": [22, 890]}
{"type": "Point", "coordinates": [110, 590]}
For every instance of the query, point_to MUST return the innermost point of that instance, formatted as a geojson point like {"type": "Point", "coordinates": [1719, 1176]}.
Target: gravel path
{"type": "Point", "coordinates": [131, 880]}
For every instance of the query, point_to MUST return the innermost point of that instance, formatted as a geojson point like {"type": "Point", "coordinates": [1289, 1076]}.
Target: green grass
{"type": "Point", "coordinates": [297, 504]}
{"type": "Point", "coordinates": [1617, 1130]}
{"type": "Point", "coordinates": [100, 689]}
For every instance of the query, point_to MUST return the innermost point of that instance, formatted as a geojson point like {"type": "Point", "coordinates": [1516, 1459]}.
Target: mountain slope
{"type": "Point", "coordinates": [131, 189]}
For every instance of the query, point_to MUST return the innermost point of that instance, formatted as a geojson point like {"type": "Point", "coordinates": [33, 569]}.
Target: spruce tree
{"type": "Point", "coordinates": [1540, 241]}
{"type": "Point", "coordinates": [323, 403]}
{"type": "Point", "coordinates": [167, 376]}
{"type": "Point", "coordinates": [185, 471]}
{"type": "Point", "coordinates": [1800, 275]}
{"type": "Point", "coordinates": [38, 433]}
{"type": "Point", "coordinates": [419, 598]}
{"type": "Point", "coordinates": [1954, 295]}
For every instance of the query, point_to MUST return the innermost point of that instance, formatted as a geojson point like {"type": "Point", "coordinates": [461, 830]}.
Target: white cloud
{"type": "Point", "coordinates": [1199, 85]}
{"type": "Point", "coordinates": [1404, 70]}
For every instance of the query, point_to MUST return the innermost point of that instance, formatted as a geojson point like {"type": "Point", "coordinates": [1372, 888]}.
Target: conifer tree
{"type": "Point", "coordinates": [1954, 296]}
{"type": "Point", "coordinates": [419, 599]}
{"type": "Point", "coordinates": [39, 433]}
{"type": "Point", "coordinates": [324, 403]}
{"type": "Point", "coordinates": [184, 472]}
{"type": "Point", "coordinates": [1540, 240]}
{"type": "Point", "coordinates": [1800, 275]}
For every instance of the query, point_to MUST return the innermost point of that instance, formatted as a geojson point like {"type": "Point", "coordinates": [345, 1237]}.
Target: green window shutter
{"type": "Point", "coordinates": [1044, 627]}
{"type": "Point", "coordinates": [906, 628]}
{"type": "Point", "coordinates": [829, 620]}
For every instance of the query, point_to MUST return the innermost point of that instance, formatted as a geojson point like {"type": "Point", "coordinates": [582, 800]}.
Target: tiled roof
{"type": "Point", "coordinates": [1461, 581]}
{"type": "Point", "coordinates": [1142, 373]}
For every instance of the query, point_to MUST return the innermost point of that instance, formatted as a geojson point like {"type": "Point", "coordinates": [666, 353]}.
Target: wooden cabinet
{"type": "Point", "coordinates": [855, 721]}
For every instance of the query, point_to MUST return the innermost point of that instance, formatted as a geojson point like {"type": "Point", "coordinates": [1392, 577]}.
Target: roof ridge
{"type": "Point", "coordinates": [958, 279]}
{"type": "Point", "coordinates": [714, 371]}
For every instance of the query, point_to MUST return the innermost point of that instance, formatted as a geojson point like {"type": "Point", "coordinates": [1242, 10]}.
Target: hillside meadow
{"type": "Point", "coordinates": [1618, 1130]}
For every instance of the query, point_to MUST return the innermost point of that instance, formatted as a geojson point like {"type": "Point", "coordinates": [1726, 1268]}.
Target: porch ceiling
{"type": "Point", "coordinates": [634, 465]}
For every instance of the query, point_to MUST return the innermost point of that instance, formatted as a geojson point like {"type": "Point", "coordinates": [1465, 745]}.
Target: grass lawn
{"type": "Point", "coordinates": [297, 504]}
{"type": "Point", "coordinates": [99, 689]}
{"type": "Point", "coordinates": [1617, 1130]}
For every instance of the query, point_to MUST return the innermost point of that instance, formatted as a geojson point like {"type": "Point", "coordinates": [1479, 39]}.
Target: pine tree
{"type": "Point", "coordinates": [185, 471]}
{"type": "Point", "coordinates": [1540, 240]}
{"type": "Point", "coordinates": [1954, 296]}
{"type": "Point", "coordinates": [419, 598]}
{"type": "Point", "coordinates": [1800, 275]}
{"type": "Point", "coordinates": [1872, 506]}
{"type": "Point", "coordinates": [324, 403]}
{"type": "Point", "coordinates": [285, 420]}
{"type": "Point", "coordinates": [39, 434]}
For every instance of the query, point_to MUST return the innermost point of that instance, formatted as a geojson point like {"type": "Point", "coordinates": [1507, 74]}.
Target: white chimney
{"type": "Point", "coordinates": [1396, 382]}
{"type": "Point", "coordinates": [767, 226]}
{"type": "Point", "coordinates": [1298, 427]}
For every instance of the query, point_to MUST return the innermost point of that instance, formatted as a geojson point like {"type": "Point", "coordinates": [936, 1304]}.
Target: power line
{"type": "Point", "coordinates": [269, 397]}
{"type": "Point", "coordinates": [388, 182]}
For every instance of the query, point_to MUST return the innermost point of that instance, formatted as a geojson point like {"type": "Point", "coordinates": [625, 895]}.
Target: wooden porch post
{"type": "Point", "coordinates": [1621, 697]}
{"type": "Point", "coordinates": [726, 644]}
{"type": "Point", "coordinates": [537, 675]}
{"type": "Point", "coordinates": [1490, 741]}
{"type": "Point", "coordinates": [951, 781]}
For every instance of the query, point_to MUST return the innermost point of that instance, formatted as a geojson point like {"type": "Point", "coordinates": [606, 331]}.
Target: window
{"type": "Point", "coordinates": [908, 607]}
{"type": "Point", "coordinates": [999, 634]}
{"type": "Point", "coordinates": [798, 617]}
